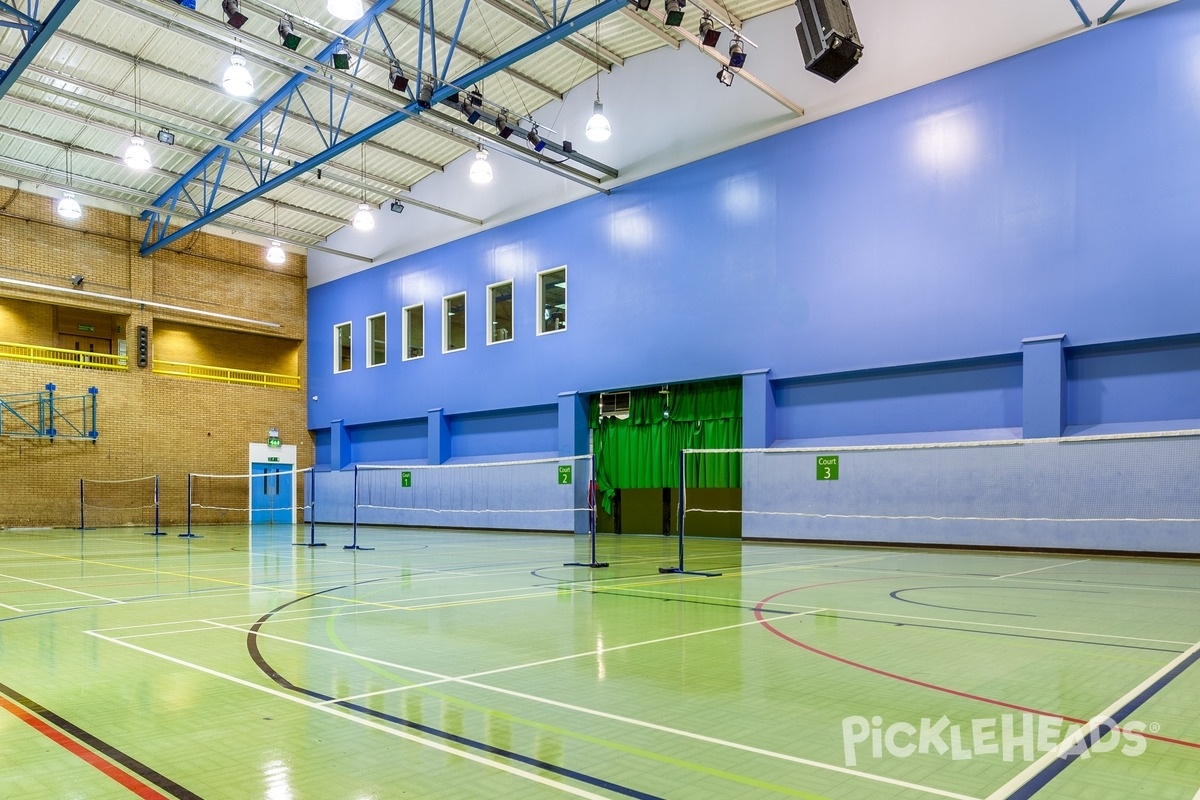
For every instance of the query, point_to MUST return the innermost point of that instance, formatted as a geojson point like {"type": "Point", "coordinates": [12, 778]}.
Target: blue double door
{"type": "Point", "coordinates": [272, 496]}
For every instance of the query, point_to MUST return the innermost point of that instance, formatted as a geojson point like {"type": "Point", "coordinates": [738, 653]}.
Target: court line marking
{"type": "Point", "coordinates": [1034, 777]}
{"type": "Point", "coordinates": [337, 712]}
{"type": "Point", "coordinates": [61, 588]}
{"type": "Point", "coordinates": [466, 681]}
{"type": "Point", "coordinates": [1040, 569]}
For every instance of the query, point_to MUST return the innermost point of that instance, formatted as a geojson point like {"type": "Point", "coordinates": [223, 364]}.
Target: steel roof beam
{"type": "Point", "coordinates": [36, 36]}
{"type": "Point", "coordinates": [157, 223]}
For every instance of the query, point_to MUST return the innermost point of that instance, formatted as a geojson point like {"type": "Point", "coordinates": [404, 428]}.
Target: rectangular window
{"type": "Point", "coordinates": [341, 347]}
{"type": "Point", "coordinates": [500, 309]}
{"type": "Point", "coordinates": [552, 300]}
{"type": "Point", "coordinates": [454, 322]}
{"type": "Point", "coordinates": [414, 332]}
{"type": "Point", "coordinates": [377, 340]}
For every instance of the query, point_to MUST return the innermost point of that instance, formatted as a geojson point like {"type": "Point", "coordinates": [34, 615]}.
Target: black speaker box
{"type": "Point", "coordinates": [828, 38]}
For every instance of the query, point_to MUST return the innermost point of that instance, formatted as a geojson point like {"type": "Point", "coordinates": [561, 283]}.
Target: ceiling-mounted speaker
{"type": "Point", "coordinates": [828, 38]}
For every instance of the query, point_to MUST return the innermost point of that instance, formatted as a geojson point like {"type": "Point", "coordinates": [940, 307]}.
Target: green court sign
{"type": "Point", "coordinates": [827, 468]}
{"type": "Point", "coordinates": [406, 479]}
{"type": "Point", "coordinates": [564, 474]}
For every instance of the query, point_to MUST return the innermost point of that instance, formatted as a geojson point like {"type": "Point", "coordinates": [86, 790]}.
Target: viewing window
{"type": "Point", "coordinates": [414, 332]}
{"type": "Point", "coordinates": [377, 340]}
{"type": "Point", "coordinates": [341, 347]}
{"type": "Point", "coordinates": [552, 300]}
{"type": "Point", "coordinates": [500, 310]}
{"type": "Point", "coordinates": [454, 322]}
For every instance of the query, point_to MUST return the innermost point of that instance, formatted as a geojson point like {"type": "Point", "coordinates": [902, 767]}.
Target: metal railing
{"type": "Point", "coordinates": [33, 354]}
{"type": "Point", "coordinates": [244, 377]}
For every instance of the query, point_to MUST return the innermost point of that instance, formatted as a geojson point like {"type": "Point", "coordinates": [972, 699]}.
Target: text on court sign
{"type": "Point", "coordinates": [406, 478]}
{"type": "Point", "coordinates": [827, 468]}
{"type": "Point", "coordinates": [564, 474]}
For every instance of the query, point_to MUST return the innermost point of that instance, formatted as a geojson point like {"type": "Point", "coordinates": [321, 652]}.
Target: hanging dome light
{"type": "Point", "coordinates": [345, 9]}
{"type": "Point", "coordinates": [238, 81]}
{"type": "Point", "coordinates": [363, 220]}
{"type": "Point", "coordinates": [136, 155]}
{"type": "Point", "coordinates": [598, 129]}
{"type": "Point", "coordinates": [68, 206]}
{"type": "Point", "coordinates": [481, 170]}
{"type": "Point", "coordinates": [275, 254]}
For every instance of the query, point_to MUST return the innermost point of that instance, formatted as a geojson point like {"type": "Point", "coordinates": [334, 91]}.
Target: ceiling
{"type": "Point", "coordinates": [296, 169]}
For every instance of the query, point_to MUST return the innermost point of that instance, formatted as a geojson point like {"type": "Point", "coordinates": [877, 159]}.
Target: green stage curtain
{"type": "Point", "coordinates": [642, 452]}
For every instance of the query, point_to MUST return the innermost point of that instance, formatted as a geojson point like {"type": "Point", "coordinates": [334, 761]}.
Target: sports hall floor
{"type": "Point", "coordinates": [449, 664]}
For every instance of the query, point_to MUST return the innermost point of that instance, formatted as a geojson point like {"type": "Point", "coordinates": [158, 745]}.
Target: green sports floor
{"type": "Point", "coordinates": [446, 664]}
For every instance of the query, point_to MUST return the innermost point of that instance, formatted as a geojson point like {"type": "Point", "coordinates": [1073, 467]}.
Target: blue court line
{"type": "Point", "coordinates": [1058, 765]}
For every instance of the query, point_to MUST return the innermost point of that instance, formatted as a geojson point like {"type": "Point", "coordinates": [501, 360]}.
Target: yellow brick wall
{"type": "Point", "coordinates": [147, 424]}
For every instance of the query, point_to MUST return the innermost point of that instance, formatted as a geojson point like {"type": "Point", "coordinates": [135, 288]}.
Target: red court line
{"type": "Point", "coordinates": [924, 684]}
{"type": "Point", "coordinates": [75, 748]}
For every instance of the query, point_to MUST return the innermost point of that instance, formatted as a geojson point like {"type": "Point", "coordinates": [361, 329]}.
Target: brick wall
{"type": "Point", "coordinates": [147, 424]}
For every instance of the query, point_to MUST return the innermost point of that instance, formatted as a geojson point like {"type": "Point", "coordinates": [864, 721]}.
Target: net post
{"type": "Point", "coordinates": [82, 527]}
{"type": "Point", "coordinates": [591, 497]}
{"type": "Point", "coordinates": [679, 570]}
{"type": "Point", "coordinates": [157, 531]}
{"type": "Point", "coordinates": [188, 534]}
{"type": "Point", "coordinates": [312, 512]}
{"type": "Point", "coordinates": [354, 540]}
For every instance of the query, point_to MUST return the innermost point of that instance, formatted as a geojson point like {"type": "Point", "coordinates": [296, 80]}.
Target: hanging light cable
{"type": "Point", "coordinates": [68, 206]}
{"type": "Point", "coordinates": [275, 254]}
{"type": "Point", "coordinates": [136, 155]}
{"type": "Point", "coordinates": [363, 220]}
{"type": "Point", "coordinates": [598, 129]}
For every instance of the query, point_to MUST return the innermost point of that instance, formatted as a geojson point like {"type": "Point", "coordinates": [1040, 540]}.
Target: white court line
{"type": "Point", "coordinates": [1039, 569]}
{"type": "Point", "coordinates": [466, 681]}
{"type": "Point", "coordinates": [12, 608]}
{"type": "Point", "coordinates": [1084, 731]}
{"type": "Point", "coordinates": [337, 712]}
{"type": "Point", "coordinates": [61, 588]}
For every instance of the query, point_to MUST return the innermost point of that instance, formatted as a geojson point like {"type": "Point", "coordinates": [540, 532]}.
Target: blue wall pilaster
{"type": "Point", "coordinates": [439, 437]}
{"type": "Point", "coordinates": [1044, 386]}
{"type": "Point", "coordinates": [758, 409]}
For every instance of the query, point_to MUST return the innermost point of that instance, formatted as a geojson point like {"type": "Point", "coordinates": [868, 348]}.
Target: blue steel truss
{"type": "Point", "coordinates": [34, 32]}
{"type": "Point", "coordinates": [197, 189]}
{"type": "Point", "coordinates": [38, 415]}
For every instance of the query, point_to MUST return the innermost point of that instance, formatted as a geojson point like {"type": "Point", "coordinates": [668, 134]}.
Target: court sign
{"type": "Point", "coordinates": [564, 474]}
{"type": "Point", "coordinates": [406, 479]}
{"type": "Point", "coordinates": [827, 468]}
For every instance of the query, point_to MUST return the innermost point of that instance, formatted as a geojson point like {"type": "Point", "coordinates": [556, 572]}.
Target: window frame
{"type": "Point", "coordinates": [337, 346]}
{"type": "Point", "coordinates": [406, 314]}
{"type": "Point", "coordinates": [491, 311]}
{"type": "Point", "coordinates": [540, 319]}
{"type": "Point", "coordinates": [446, 299]}
{"type": "Point", "coordinates": [382, 315]}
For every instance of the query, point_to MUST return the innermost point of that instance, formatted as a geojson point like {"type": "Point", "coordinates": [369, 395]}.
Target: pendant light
{"type": "Point", "coordinates": [364, 220]}
{"type": "Point", "coordinates": [275, 254]}
{"type": "Point", "coordinates": [481, 170]}
{"type": "Point", "coordinates": [68, 206]}
{"type": "Point", "coordinates": [237, 79]}
{"type": "Point", "coordinates": [598, 129]}
{"type": "Point", "coordinates": [136, 155]}
{"type": "Point", "coordinates": [348, 10]}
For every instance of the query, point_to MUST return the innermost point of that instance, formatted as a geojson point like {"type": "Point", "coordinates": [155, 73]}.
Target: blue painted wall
{"type": "Point", "coordinates": [884, 265]}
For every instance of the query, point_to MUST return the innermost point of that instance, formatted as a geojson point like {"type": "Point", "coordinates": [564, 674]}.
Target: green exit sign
{"type": "Point", "coordinates": [827, 468]}
{"type": "Point", "coordinates": [406, 479]}
{"type": "Point", "coordinates": [272, 458]}
{"type": "Point", "coordinates": [274, 441]}
{"type": "Point", "coordinates": [564, 474]}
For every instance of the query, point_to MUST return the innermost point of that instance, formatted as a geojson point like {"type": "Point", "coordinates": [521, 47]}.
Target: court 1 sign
{"type": "Point", "coordinates": [827, 468]}
{"type": "Point", "coordinates": [564, 474]}
{"type": "Point", "coordinates": [406, 479]}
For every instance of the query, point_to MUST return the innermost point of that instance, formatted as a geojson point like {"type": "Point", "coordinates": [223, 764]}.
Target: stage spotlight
{"type": "Point", "coordinates": [426, 98]}
{"type": "Point", "coordinates": [641, 5]}
{"type": "Point", "coordinates": [341, 56]}
{"type": "Point", "coordinates": [674, 10]}
{"type": "Point", "coordinates": [709, 33]}
{"type": "Point", "coordinates": [725, 76]}
{"type": "Point", "coordinates": [398, 78]}
{"type": "Point", "coordinates": [469, 110]}
{"type": "Point", "coordinates": [233, 16]}
{"type": "Point", "coordinates": [535, 140]}
{"type": "Point", "coordinates": [503, 129]}
{"type": "Point", "coordinates": [287, 33]}
{"type": "Point", "coordinates": [737, 54]}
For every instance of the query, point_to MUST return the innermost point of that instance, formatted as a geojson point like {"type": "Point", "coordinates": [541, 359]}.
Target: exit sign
{"type": "Point", "coordinates": [564, 474]}
{"type": "Point", "coordinates": [273, 458]}
{"type": "Point", "coordinates": [406, 479]}
{"type": "Point", "coordinates": [827, 468]}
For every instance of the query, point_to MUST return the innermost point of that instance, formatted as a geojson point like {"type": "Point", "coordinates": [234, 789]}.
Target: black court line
{"type": "Point", "coordinates": [102, 747]}
{"type": "Point", "coordinates": [1056, 767]}
{"type": "Point", "coordinates": [896, 624]}
{"type": "Point", "coordinates": [668, 599]}
{"type": "Point", "coordinates": [896, 596]}
{"type": "Point", "coordinates": [261, 662]}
